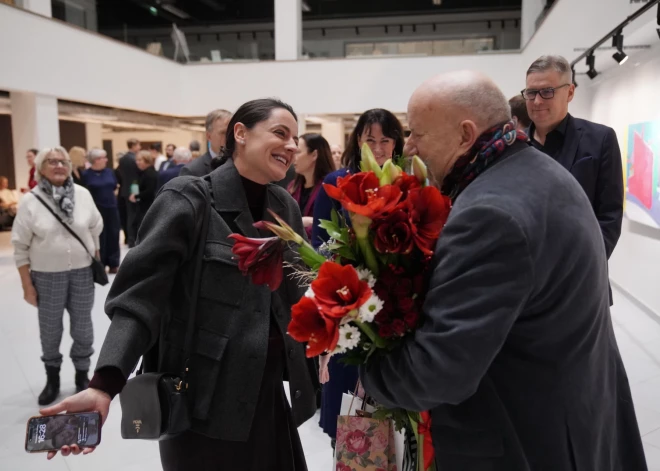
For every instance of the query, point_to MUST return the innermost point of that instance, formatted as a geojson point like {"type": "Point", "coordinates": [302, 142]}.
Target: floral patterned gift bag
{"type": "Point", "coordinates": [365, 444]}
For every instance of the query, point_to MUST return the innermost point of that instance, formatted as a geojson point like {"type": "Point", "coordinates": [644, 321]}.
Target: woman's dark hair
{"type": "Point", "coordinates": [391, 128]}
{"type": "Point", "coordinates": [324, 163]}
{"type": "Point", "coordinates": [34, 151]}
{"type": "Point", "coordinates": [250, 114]}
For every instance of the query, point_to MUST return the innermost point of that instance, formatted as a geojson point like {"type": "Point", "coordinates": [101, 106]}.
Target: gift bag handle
{"type": "Point", "coordinates": [355, 392]}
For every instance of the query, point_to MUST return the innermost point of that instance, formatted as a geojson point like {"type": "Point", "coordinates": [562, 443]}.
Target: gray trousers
{"type": "Point", "coordinates": [73, 290]}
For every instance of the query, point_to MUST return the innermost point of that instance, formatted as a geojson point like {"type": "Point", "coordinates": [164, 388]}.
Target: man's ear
{"type": "Point", "coordinates": [468, 134]}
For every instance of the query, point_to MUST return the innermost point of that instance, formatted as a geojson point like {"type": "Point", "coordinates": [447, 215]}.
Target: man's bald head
{"type": "Point", "coordinates": [447, 114]}
{"type": "Point", "coordinates": [465, 94]}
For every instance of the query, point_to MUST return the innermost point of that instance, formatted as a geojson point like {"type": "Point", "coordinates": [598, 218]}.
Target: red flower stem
{"type": "Point", "coordinates": [311, 257]}
{"type": "Point", "coordinates": [414, 423]}
{"type": "Point", "coordinates": [371, 333]}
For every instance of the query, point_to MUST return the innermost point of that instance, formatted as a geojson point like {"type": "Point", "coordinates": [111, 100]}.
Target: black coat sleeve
{"type": "Point", "coordinates": [136, 302]}
{"type": "Point", "coordinates": [148, 185]}
{"type": "Point", "coordinates": [477, 290]}
{"type": "Point", "coordinates": [609, 192]}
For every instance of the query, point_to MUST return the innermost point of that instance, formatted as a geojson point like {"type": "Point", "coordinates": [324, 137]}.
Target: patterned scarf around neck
{"type": "Point", "coordinates": [486, 151]}
{"type": "Point", "coordinates": [62, 196]}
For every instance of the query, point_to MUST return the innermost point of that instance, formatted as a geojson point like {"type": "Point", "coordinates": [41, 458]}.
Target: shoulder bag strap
{"type": "Point", "coordinates": [197, 275]}
{"type": "Point", "coordinates": [66, 226]}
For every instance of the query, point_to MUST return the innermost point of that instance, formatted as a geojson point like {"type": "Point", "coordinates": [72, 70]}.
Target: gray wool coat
{"type": "Point", "coordinates": [149, 298]}
{"type": "Point", "coordinates": [517, 359]}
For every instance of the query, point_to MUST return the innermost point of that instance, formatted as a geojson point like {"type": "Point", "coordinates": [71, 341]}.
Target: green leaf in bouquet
{"type": "Point", "coordinates": [351, 455]}
{"type": "Point", "coordinates": [331, 228]}
{"type": "Point", "coordinates": [334, 216]}
{"type": "Point", "coordinates": [311, 257]}
{"type": "Point", "coordinates": [344, 251]}
{"type": "Point", "coordinates": [361, 461]}
{"type": "Point", "coordinates": [366, 455]}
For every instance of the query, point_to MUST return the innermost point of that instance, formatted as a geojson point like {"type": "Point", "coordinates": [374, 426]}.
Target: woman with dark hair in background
{"type": "Point", "coordinates": [148, 185]}
{"type": "Point", "coordinates": [312, 164]}
{"type": "Point", "coordinates": [241, 420]}
{"type": "Point", "coordinates": [383, 133]}
{"type": "Point", "coordinates": [30, 155]}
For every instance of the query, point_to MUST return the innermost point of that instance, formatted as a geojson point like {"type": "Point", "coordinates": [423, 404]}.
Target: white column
{"type": "Point", "coordinates": [41, 7]}
{"type": "Point", "coordinates": [94, 137]}
{"type": "Point", "coordinates": [333, 131]}
{"type": "Point", "coordinates": [34, 123]}
{"type": "Point", "coordinates": [531, 10]}
{"type": "Point", "coordinates": [288, 30]}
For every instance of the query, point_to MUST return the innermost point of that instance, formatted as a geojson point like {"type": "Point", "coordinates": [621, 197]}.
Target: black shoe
{"type": "Point", "coordinates": [52, 389]}
{"type": "Point", "coordinates": [82, 381]}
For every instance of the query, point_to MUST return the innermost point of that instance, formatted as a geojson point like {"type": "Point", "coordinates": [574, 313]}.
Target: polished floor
{"type": "Point", "coordinates": [638, 334]}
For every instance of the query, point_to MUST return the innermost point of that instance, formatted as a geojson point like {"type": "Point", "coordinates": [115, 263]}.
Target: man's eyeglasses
{"type": "Point", "coordinates": [546, 93]}
{"type": "Point", "coordinates": [58, 162]}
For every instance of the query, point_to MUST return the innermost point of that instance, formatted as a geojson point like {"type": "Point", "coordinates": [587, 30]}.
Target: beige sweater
{"type": "Point", "coordinates": [40, 240]}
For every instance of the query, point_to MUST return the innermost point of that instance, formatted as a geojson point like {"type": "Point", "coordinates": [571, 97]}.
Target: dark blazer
{"type": "Point", "coordinates": [591, 153]}
{"type": "Point", "coordinates": [148, 185]}
{"type": "Point", "coordinates": [127, 173]}
{"type": "Point", "coordinates": [171, 173]}
{"type": "Point", "coordinates": [517, 358]}
{"type": "Point", "coordinates": [234, 315]}
{"type": "Point", "coordinates": [199, 167]}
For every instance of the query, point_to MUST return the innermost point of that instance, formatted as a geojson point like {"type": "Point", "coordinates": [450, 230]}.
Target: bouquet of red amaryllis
{"type": "Point", "coordinates": [366, 285]}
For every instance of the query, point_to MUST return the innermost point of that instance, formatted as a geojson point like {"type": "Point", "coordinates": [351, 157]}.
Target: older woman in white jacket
{"type": "Point", "coordinates": [55, 268]}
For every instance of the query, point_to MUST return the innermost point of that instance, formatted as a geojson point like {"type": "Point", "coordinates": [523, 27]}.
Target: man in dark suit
{"type": "Point", "coordinates": [182, 157]}
{"type": "Point", "coordinates": [169, 153]}
{"type": "Point", "coordinates": [127, 173]}
{"type": "Point", "coordinates": [516, 359]}
{"type": "Point", "coordinates": [216, 135]}
{"type": "Point", "coordinates": [588, 150]}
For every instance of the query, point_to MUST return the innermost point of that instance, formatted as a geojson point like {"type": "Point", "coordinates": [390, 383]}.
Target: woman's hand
{"type": "Point", "coordinates": [308, 221]}
{"type": "Point", "coordinates": [98, 255]}
{"type": "Point", "coordinates": [89, 400]}
{"type": "Point", "coordinates": [132, 198]}
{"type": "Point", "coordinates": [324, 373]}
{"type": "Point", "coordinates": [30, 294]}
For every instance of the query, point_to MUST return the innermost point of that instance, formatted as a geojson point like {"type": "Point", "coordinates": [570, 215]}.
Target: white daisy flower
{"type": "Point", "coordinates": [349, 337]}
{"type": "Point", "coordinates": [338, 350]}
{"type": "Point", "coordinates": [309, 293]}
{"type": "Point", "coordinates": [365, 275]}
{"type": "Point", "coordinates": [372, 307]}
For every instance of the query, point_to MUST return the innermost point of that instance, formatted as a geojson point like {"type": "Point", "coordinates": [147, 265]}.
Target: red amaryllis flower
{"type": "Point", "coordinates": [361, 193]}
{"type": "Point", "coordinates": [428, 211]}
{"type": "Point", "coordinates": [407, 183]}
{"type": "Point", "coordinates": [309, 325]}
{"type": "Point", "coordinates": [393, 234]}
{"type": "Point", "coordinates": [338, 290]}
{"type": "Point", "coordinates": [260, 258]}
{"type": "Point", "coordinates": [357, 442]}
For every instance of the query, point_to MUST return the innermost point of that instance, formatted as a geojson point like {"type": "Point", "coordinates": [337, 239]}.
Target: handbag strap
{"type": "Point", "coordinates": [197, 275]}
{"type": "Point", "coordinates": [66, 226]}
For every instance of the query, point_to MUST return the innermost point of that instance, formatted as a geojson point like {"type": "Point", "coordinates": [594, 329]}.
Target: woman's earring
{"type": "Point", "coordinates": [242, 141]}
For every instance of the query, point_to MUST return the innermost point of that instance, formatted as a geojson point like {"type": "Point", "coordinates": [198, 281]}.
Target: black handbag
{"type": "Point", "coordinates": [98, 269]}
{"type": "Point", "coordinates": [154, 406]}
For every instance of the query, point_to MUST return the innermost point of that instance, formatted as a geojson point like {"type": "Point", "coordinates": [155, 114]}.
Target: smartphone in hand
{"type": "Point", "coordinates": [50, 433]}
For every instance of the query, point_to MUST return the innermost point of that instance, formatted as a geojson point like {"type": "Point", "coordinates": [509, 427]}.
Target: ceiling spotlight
{"type": "Point", "coordinates": [621, 57]}
{"type": "Point", "coordinates": [591, 62]}
{"type": "Point", "coordinates": [617, 42]}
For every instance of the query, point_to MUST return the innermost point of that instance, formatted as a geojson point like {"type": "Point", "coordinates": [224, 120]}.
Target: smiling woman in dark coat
{"type": "Point", "coordinates": [241, 420]}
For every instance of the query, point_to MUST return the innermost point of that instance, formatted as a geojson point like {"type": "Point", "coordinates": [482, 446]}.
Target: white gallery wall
{"type": "Point", "coordinates": [627, 95]}
{"type": "Point", "coordinates": [78, 65]}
